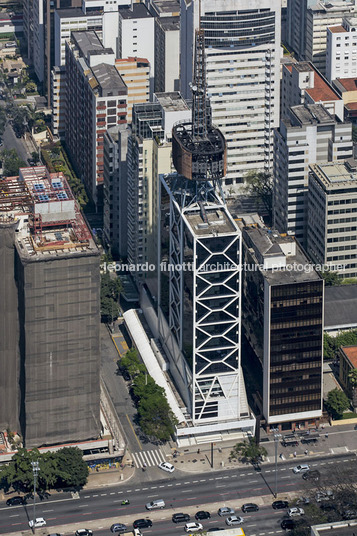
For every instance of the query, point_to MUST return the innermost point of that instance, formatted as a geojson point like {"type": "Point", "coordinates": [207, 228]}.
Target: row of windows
{"type": "Point", "coordinates": [296, 323]}
{"type": "Point", "coordinates": [294, 366]}
{"type": "Point", "coordinates": [297, 398]}
{"type": "Point", "coordinates": [294, 409]}
{"type": "Point", "coordinates": [297, 301]}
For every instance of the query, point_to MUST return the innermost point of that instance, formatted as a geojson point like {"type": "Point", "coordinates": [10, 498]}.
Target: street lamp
{"type": "Point", "coordinates": [35, 470]}
{"type": "Point", "coordinates": [277, 436]}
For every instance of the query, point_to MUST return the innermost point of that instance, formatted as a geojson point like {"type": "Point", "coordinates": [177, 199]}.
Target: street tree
{"type": "Point", "coordinates": [132, 363]}
{"type": "Point", "coordinates": [337, 402]}
{"type": "Point", "coordinates": [11, 162]}
{"type": "Point", "coordinates": [156, 418]}
{"type": "Point", "coordinates": [331, 278]}
{"type": "Point", "coordinates": [248, 450]}
{"type": "Point", "coordinates": [18, 474]}
{"type": "Point", "coordinates": [144, 386]}
{"type": "Point", "coordinates": [71, 469]}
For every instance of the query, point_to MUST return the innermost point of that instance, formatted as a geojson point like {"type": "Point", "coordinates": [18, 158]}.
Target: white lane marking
{"type": "Point", "coordinates": [152, 458]}
{"type": "Point", "coordinates": [95, 495]}
{"type": "Point", "coordinates": [84, 505]}
{"type": "Point", "coordinates": [149, 496]}
{"type": "Point", "coordinates": [47, 511]}
{"type": "Point", "coordinates": [103, 494]}
{"type": "Point", "coordinates": [187, 490]}
{"type": "Point", "coordinates": [15, 515]}
{"type": "Point", "coordinates": [112, 493]}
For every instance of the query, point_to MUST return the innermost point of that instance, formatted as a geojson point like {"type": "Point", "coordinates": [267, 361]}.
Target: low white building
{"type": "Point", "coordinates": [341, 52]}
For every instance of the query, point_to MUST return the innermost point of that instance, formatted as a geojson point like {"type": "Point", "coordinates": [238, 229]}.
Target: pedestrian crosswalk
{"type": "Point", "coordinates": [148, 458]}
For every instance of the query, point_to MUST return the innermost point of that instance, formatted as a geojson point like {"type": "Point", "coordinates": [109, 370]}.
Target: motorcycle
{"type": "Point", "coordinates": [125, 501]}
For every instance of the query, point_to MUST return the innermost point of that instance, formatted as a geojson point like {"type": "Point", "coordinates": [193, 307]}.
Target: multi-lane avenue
{"type": "Point", "coordinates": [97, 509]}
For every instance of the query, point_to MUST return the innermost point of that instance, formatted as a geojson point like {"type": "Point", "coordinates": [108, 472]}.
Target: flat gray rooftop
{"type": "Point", "coordinates": [333, 176]}
{"type": "Point", "coordinates": [139, 11]}
{"type": "Point", "coordinates": [340, 306]}
{"type": "Point", "coordinates": [303, 66]}
{"type": "Point", "coordinates": [311, 114]}
{"type": "Point", "coordinates": [87, 41]}
{"type": "Point", "coordinates": [72, 12]}
{"type": "Point", "coordinates": [108, 77]}
{"type": "Point", "coordinates": [216, 222]}
{"type": "Point", "coordinates": [166, 6]}
{"type": "Point", "coordinates": [172, 101]}
{"type": "Point", "coordinates": [169, 23]}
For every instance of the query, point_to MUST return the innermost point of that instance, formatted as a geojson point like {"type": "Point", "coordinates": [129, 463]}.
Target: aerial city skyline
{"type": "Point", "coordinates": [178, 260]}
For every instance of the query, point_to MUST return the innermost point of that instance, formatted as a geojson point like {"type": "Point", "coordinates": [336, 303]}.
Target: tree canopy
{"type": "Point", "coordinates": [260, 185]}
{"type": "Point", "coordinates": [110, 289]}
{"type": "Point", "coordinates": [64, 468]}
{"type": "Point", "coordinates": [332, 344]}
{"type": "Point", "coordinates": [11, 162]}
{"type": "Point", "coordinates": [337, 402]}
{"type": "Point", "coordinates": [248, 450]}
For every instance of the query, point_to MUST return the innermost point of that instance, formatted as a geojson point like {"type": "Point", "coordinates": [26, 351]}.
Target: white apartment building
{"type": "Point", "coordinates": [149, 155]}
{"type": "Point", "coordinates": [303, 84]}
{"type": "Point", "coordinates": [70, 20]}
{"type": "Point", "coordinates": [332, 216]}
{"type": "Point", "coordinates": [311, 134]}
{"type": "Point", "coordinates": [242, 44]}
{"type": "Point", "coordinates": [341, 52]}
{"type": "Point", "coordinates": [136, 74]}
{"type": "Point", "coordinates": [136, 36]}
{"type": "Point", "coordinates": [318, 17]}
{"type": "Point", "coordinates": [58, 101]}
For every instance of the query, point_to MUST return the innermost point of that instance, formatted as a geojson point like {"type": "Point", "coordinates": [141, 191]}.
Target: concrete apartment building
{"type": "Point", "coordinates": [341, 52]}
{"type": "Point", "coordinates": [49, 334]}
{"type": "Point", "coordinates": [149, 155]}
{"type": "Point", "coordinates": [167, 54]}
{"type": "Point", "coordinates": [136, 37]}
{"type": "Point", "coordinates": [347, 88]}
{"type": "Point", "coordinates": [296, 25]}
{"type": "Point", "coordinates": [136, 75]}
{"type": "Point", "coordinates": [310, 134]}
{"type": "Point", "coordinates": [303, 84]}
{"type": "Point", "coordinates": [319, 17]}
{"type": "Point", "coordinates": [115, 197]}
{"type": "Point", "coordinates": [242, 46]}
{"type": "Point", "coordinates": [58, 101]}
{"type": "Point", "coordinates": [332, 216]}
{"type": "Point", "coordinates": [73, 20]}
{"type": "Point", "coordinates": [98, 101]}
{"type": "Point", "coordinates": [283, 322]}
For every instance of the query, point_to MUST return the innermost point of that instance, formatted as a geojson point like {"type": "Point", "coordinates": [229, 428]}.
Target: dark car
{"type": "Point", "coordinates": [14, 501]}
{"type": "Point", "coordinates": [180, 518]}
{"type": "Point", "coordinates": [142, 524]}
{"type": "Point", "coordinates": [328, 506]}
{"type": "Point", "coordinates": [280, 505]}
{"type": "Point", "coordinates": [311, 475]}
{"type": "Point", "coordinates": [250, 507]}
{"type": "Point", "coordinates": [202, 515]}
{"type": "Point", "coordinates": [214, 529]}
{"type": "Point", "coordinates": [287, 524]}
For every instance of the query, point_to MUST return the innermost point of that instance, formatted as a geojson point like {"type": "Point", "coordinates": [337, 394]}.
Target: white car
{"type": "Point", "coordinates": [301, 468]}
{"type": "Point", "coordinates": [39, 522]}
{"type": "Point", "coordinates": [193, 527]}
{"type": "Point", "coordinates": [166, 466]}
{"type": "Point", "coordinates": [295, 511]}
{"type": "Point", "coordinates": [234, 520]}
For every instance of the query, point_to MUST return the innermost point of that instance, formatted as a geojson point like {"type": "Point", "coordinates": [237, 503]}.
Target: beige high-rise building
{"type": "Point", "coordinates": [136, 75]}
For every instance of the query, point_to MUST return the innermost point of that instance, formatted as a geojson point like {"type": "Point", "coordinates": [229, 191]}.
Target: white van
{"type": "Point", "coordinates": [155, 505]}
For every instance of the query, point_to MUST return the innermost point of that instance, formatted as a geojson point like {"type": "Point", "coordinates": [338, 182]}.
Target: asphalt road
{"type": "Point", "coordinates": [11, 142]}
{"type": "Point", "coordinates": [182, 493]}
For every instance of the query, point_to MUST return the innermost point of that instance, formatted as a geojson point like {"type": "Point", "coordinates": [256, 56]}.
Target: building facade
{"type": "Point", "coordinates": [243, 77]}
{"type": "Point", "coordinates": [341, 52]}
{"type": "Point", "coordinates": [58, 101]}
{"type": "Point", "coordinates": [318, 17]}
{"type": "Point", "coordinates": [136, 75]}
{"type": "Point", "coordinates": [50, 350]}
{"type": "Point", "coordinates": [310, 134]}
{"type": "Point", "coordinates": [331, 218]}
{"type": "Point", "coordinates": [98, 101]}
{"type": "Point", "coordinates": [283, 321]}
{"type": "Point", "coordinates": [167, 54]}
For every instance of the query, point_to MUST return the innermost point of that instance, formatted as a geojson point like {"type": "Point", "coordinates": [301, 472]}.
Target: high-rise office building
{"type": "Point", "coordinates": [296, 25]}
{"type": "Point", "coordinates": [242, 40]}
{"type": "Point", "coordinates": [332, 216]}
{"type": "Point", "coordinates": [98, 100]}
{"type": "Point", "coordinates": [283, 322]}
{"type": "Point", "coordinates": [200, 277]}
{"type": "Point", "coordinates": [167, 54]}
{"type": "Point", "coordinates": [50, 285]}
{"type": "Point", "coordinates": [310, 134]}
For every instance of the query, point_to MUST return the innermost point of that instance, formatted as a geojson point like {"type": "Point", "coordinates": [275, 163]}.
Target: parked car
{"type": "Point", "coordinates": [287, 524]}
{"type": "Point", "coordinates": [142, 524]}
{"type": "Point", "coordinates": [193, 527]}
{"type": "Point", "coordinates": [225, 511]}
{"type": "Point", "coordinates": [250, 507]}
{"type": "Point", "coordinates": [39, 522]}
{"type": "Point", "coordinates": [301, 468]}
{"type": "Point", "coordinates": [311, 475]}
{"type": "Point", "coordinates": [202, 514]}
{"type": "Point", "coordinates": [180, 518]}
{"type": "Point", "coordinates": [280, 505]}
{"type": "Point", "coordinates": [324, 495]}
{"type": "Point", "coordinates": [84, 532]}
{"type": "Point", "coordinates": [166, 466]}
{"type": "Point", "coordinates": [15, 501]}
{"type": "Point", "coordinates": [118, 527]}
{"type": "Point", "coordinates": [234, 520]}
{"type": "Point", "coordinates": [295, 511]}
